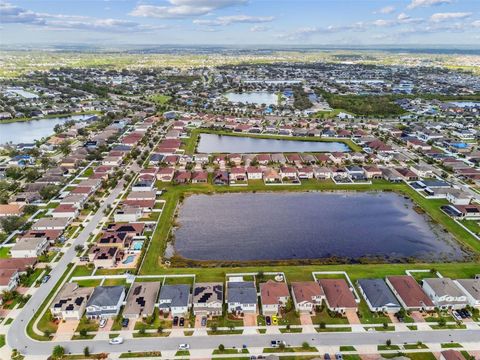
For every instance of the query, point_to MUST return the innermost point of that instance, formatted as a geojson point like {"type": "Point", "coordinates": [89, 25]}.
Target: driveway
{"type": "Point", "coordinates": [417, 316]}
{"type": "Point", "coordinates": [65, 330]}
{"type": "Point", "coordinates": [352, 317]}
{"type": "Point", "coordinates": [250, 320]}
{"type": "Point", "coordinates": [198, 322]}
{"type": "Point", "coordinates": [306, 319]}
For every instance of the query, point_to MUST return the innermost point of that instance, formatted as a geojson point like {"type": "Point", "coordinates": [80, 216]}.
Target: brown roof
{"type": "Point", "coordinates": [6, 275]}
{"type": "Point", "coordinates": [410, 291]}
{"type": "Point", "coordinates": [10, 209]}
{"type": "Point", "coordinates": [338, 293]}
{"type": "Point", "coordinates": [271, 291]}
{"type": "Point", "coordinates": [306, 290]}
{"type": "Point", "coordinates": [20, 264]}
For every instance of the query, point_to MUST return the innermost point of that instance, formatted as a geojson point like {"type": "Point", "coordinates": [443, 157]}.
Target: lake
{"type": "Point", "coordinates": [465, 103]}
{"type": "Point", "coordinates": [253, 97]}
{"type": "Point", "coordinates": [29, 131]}
{"type": "Point", "coordinates": [213, 143]}
{"type": "Point", "coordinates": [308, 225]}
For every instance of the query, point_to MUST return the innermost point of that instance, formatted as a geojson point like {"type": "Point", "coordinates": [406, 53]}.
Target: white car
{"type": "Point", "coordinates": [102, 323]}
{"type": "Point", "coordinates": [116, 341]}
{"type": "Point", "coordinates": [183, 347]}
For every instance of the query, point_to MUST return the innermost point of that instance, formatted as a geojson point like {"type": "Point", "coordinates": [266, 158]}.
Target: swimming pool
{"type": "Point", "coordinates": [137, 245]}
{"type": "Point", "coordinates": [129, 259]}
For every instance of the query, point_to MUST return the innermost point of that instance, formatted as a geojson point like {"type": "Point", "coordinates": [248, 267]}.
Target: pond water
{"type": "Point", "coordinates": [29, 131]}
{"type": "Point", "coordinates": [253, 97]}
{"type": "Point", "coordinates": [212, 143]}
{"type": "Point", "coordinates": [308, 225]}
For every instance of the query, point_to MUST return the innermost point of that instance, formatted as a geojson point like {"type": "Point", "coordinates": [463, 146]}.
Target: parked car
{"type": "Point", "coordinates": [182, 321]}
{"type": "Point", "coordinates": [175, 321]}
{"type": "Point", "coordinates": [338, 356]}
{"type": "Point", "coordinates": [125, 322]}
{"type": "Point", "coordinates": [274, 320]}
{"type": "Point", "coordinates": [116, 341]}
{"type": "Point", "coordinates": [183, 347]}
{"type": "Point", "coordinates": [268, 320]}
{"type": "Point", "coordinates": [277, 343]}
{"type": "Point", "coordinates": [46, 278]}
{"type": "Point", "coordinates": [102, 323]}
{"type": "Point", "coordinates": [327, 356]}
{"type": "Point", "coordinates": [204, 321]}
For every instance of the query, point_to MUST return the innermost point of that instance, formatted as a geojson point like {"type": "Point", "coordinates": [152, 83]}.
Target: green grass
{"type": "Point", "coordinates": [8, 321]}
{"type": "Point", "coordinates": [387, 347]}
{"type": "Point", "coordinates": [4, 252]}
{"type": "Point", "coordinates": [450, 345]}
{"type": "Point", "coordinates": [291, 330]}
{"type": "Point", "coordinates": [88, 172]}
{"type": "Point", "coordinates": [324, 317]}
{"type": "Point", "coordinates": [2, 340]}
{"type": "Point", "coordinates": [132, 355]}
{"type": "Point", "coordinates": [81, 270]}
{"type": "Point", "coordinates": [157, 322]}
{"type": "Point", "coordinates": [160, 99]}
{"type": "Point", "coordinates": [289, 349]}
{"type": "Point", "coordinates": [225, 332]}
{"type": "Point", "coordinates": [367, 317]}
{"type": "Point", "coordinates": [415, 346]}
{"type": "Point", "coordinates": [87, 324]}
{"type": "Point", "coordinates": [229, 351]}
{"type": "Point", "coordinates": [83, 337]}
{"type": "Point", "coordinates": [334, 329]}
{"type": "Point", "coordinates": [450, 327]}
{"type": "Point", "coordinates": [347, 348]}
{"type": "Point", "coordinates": [225, 321]}
{"type": "Point", "coordinates": [182, 353]}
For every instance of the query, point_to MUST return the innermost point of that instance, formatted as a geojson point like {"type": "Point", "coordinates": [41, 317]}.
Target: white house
{"type": "Point", "coordinates": [29, 247]}
{"type": "Point", "coordinates": [444, 293]}
{"type": "Point", "coordinates": [241, 297]}
{"type": "Point", "coordinates": [471, 288]}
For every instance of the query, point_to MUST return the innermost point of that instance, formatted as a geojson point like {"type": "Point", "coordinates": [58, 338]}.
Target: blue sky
{"type": "Point", "coordinates": [240, 22]}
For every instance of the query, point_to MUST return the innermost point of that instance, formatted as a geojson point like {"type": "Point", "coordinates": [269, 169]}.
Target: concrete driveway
{"type": "Point", "coordinates": [250, 320]}
{"type": "Point", "coordinates": [352, 317]}
{"type": "Point", "coordinates": [306, 319]}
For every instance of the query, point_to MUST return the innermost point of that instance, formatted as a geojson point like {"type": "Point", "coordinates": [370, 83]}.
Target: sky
{"type": "Point", "coordinates": [239, 22]}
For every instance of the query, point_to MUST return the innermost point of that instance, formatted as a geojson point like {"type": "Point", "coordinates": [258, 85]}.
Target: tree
{"type": "Point", "coordinates": [48, 192]}
{"type": "Point", "coordinates": [64, 147]}
{"type": "Point", "coordinates": [58, 352]}
{"type": "Point", "coordinates": [83, 332]}
{"type": "Point", "coordinates": [86, 351]}
{"type": "Point", "coordinates": [11, 223]}
{"type": "Point", "coordinates": [281, 346]}
{"type": "Point", "coordinates": [388, 342]}
{"type": "Point", "coordinates": [221, 347]}
{"type": "Point", "coordinates": [214, 327]}
{"type": "Point", "coordinates": [305, 345]}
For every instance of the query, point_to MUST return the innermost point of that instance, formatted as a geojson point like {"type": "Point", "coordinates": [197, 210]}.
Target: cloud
{"type": "Point", "coordinates": [440, 17]}
{"type": "Point", "coordinates": [476, 24]}
{"type": "Point", "coordinates": [425, 3]}
{"type": "Point", "coordinates": [16, 15]}
{"type": "Point", "coordinates": [233, 19]}
{"type": "Point", "coordinates": [306, 32]}
{"type": "Point", "coordinates": [259, 28]}
{"type": "Point", "coordinates": [386, 10]}
{"type": "Point", "coordinates": [183, 8]}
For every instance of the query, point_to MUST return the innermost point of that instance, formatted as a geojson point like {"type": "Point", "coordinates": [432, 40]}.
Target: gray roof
{"type": "Point", "coordinates": [106, 296]}
{"type": "Point", "coordinates": [378, 293]}
{"type": "Point", "coordinates": [177, 294]}
{"type": "Point", "coordinates": [243, 292]}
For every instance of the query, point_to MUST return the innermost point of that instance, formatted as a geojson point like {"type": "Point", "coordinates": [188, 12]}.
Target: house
{"type": "Point", "coordinates": [444, 293]}
{"type": "Point", "coordinates": [199, 177]}
{"type": "Point", "coordinates": [254, 173]}
{"type": "Point", "coordinates": [182, 177]}
{"type": "Point", "coordinates": [65, 211]}
{"type": "Point", "coordinates": [307, 295]}
{"type": "Point", "coordinates": [423, 171]}
{"type": "Point", "coordinates": [263, 159]}
{"type": "Point", "coordinates": [409, 293]}
{"type": "Point", "coordinates": [458, 197]}
{"type": "Point", "coordinates": [29, 247]}
{"type": "Point", "coordinates": [271, 176]}
{"type": "Point", "coordinates": [451, 354]}
{"type": "Point", "coordinates": [273, 296]}
{"type": "Point", "coordinates": [372, 172]}
{"type": "Point", "coordinates": [105, 301]}
{"type": "Point", "coordinates": [241, 297]}
{"type": "Point", "coordinates": [237, 174]}
{"type": "Point", "coordinates": [71, 301]}
{"type": "Point", "coordinates": [220, 178]}
{"type": "Point", "coordinates": [378, 295]}
{"type": "Point", "coordinates": [305, 172]}
{"type": "Point", "coordinates": [208, 299]}
{"type": "Point", "coordinates": [10, 210]}
{"type": "Point", "coordinates": [141, 299]}
{"type": "Point", "coordinates": [127, 213]}
{"type": "Point", "coordinates": [9, 279]}
{"type": "Point", "coordinates": [104, 256]}
{"type": "Point", "coordinates": [175, 299]}
{"type": "Point", "coordinates": [322, 173]}
{"type": "Point", "coordinates": [338, 296]}
{"type": "Point", "coordinates": [471, 288]}
{"type": "Point", "coordinates": [288, 172]}
{"type": "Point", "coordinates": [51, 224]}
{"type": "Point", "coordinates": [165, 174]}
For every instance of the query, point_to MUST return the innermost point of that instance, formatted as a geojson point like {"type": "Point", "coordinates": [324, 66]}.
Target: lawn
{"type": "Point", "coordinates": [368, 317]}
{"type": "Point", "coordinates": [160, 99]}
{"type": "Point", "coordinates": [131, 355]}
{"type": "Point", "coordinates": [325, 317]}
{"type": "Point", "coordinates": [158, 321]}
{"type": "Point", "coordinates": [4, 252]}
{"type": "Point", "coordinates": [2, 341]}
{"type": "Point", "coordinates": [87, 325]}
